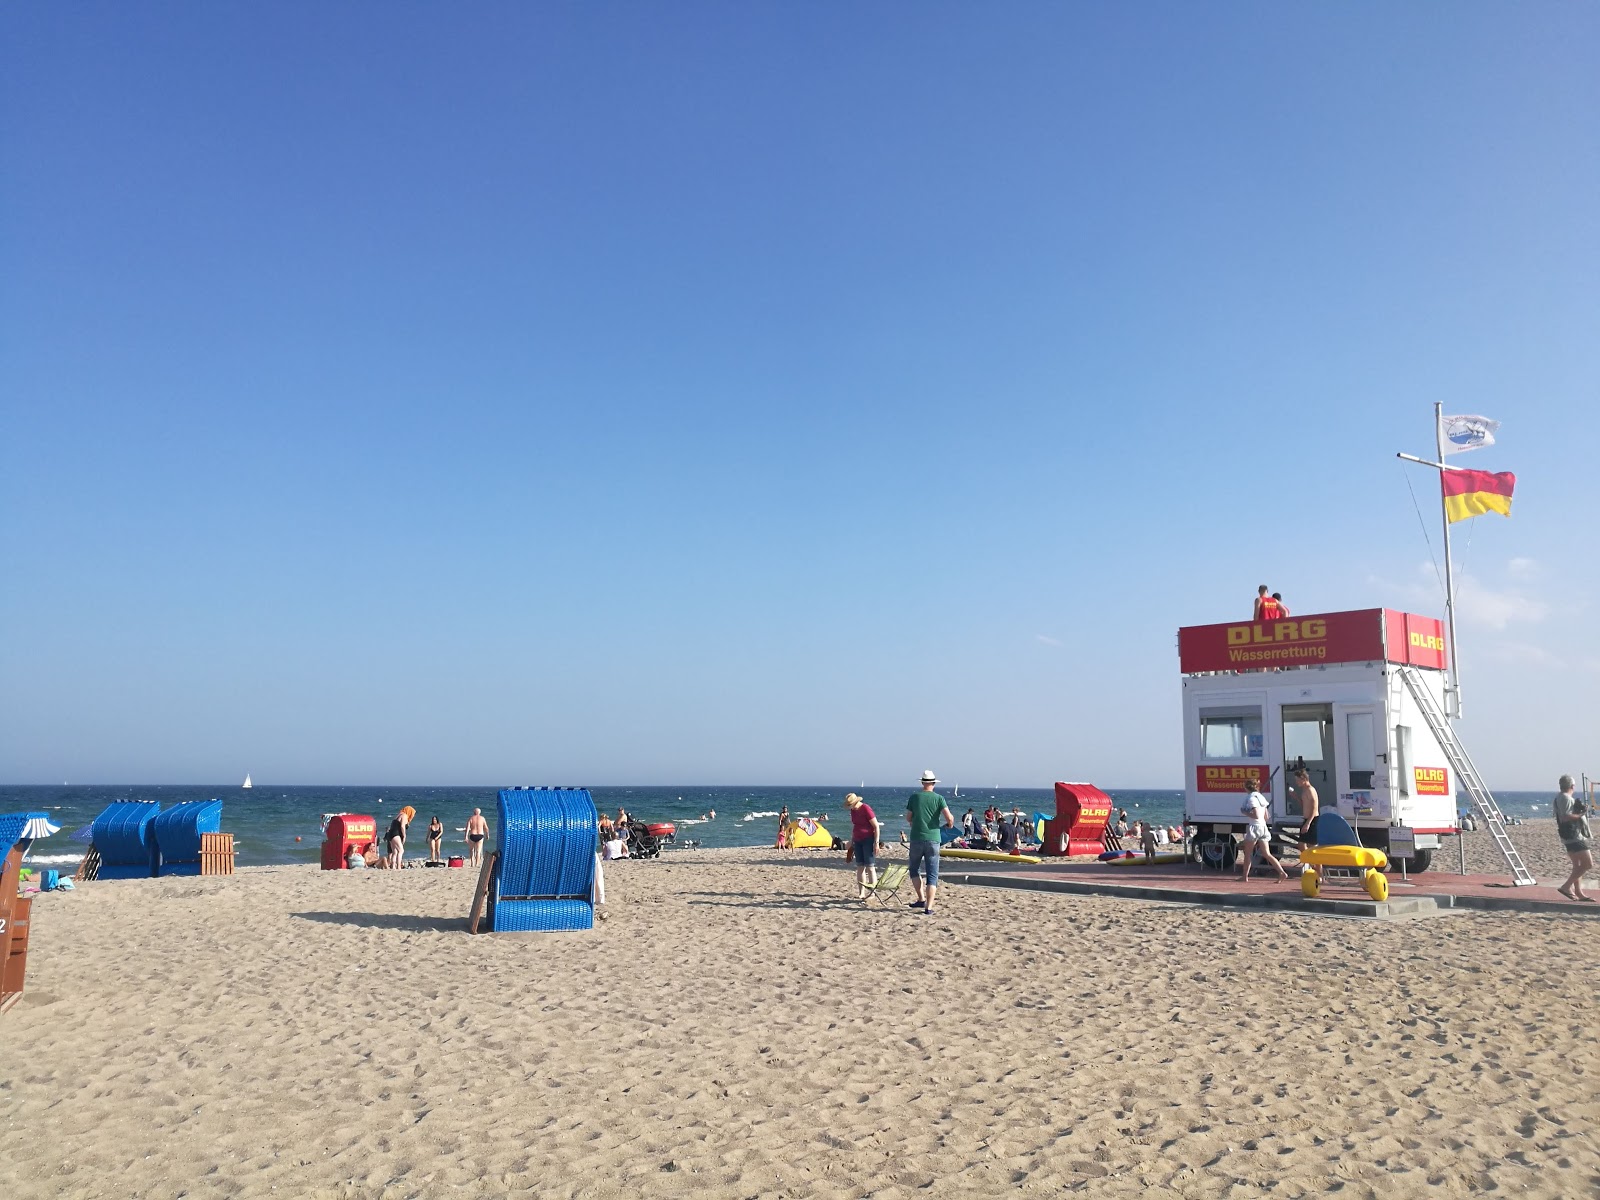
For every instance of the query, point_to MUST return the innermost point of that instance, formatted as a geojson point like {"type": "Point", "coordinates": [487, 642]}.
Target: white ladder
{"type": "Point", "coordinates": [1482, 798]}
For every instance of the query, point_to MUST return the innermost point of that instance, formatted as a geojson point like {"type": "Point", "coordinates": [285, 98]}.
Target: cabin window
{"type": "Point", "coordinates": [1231, 733]}
{"type": "Point", "coordinates": [1363, 753]}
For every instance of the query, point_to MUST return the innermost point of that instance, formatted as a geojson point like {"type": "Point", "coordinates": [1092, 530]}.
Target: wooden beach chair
{"type": "Point", "coordinates": [889, 881]}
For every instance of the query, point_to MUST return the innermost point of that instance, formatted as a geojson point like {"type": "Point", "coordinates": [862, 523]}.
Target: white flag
{"type": "Point", "coordinates": [1468, 433]}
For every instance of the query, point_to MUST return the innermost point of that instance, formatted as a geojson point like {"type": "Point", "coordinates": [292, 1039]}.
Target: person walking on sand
{"type": "Point", "coordinates": [477, 830]}
{"type": "Point", "coordinates": [396, 837]}
{"type": "Point", "coordinates": [783, 829]}
{"type": "Point", "coordinates": [926, 813]}
{"type": "Point", "coordinates": [864, 834]}
{"type": "Point", "coordinates": [1572, 827]}
{"type": "Point", "coordinates": [1309, 804]}
{"type": "Point", "coordinates": [1256, 834]}
{"type": "Point", "coordinates": [435, 836]}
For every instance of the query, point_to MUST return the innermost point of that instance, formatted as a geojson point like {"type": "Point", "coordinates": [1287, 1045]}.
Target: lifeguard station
{"type": "Point", "coordinates": [1357, 699]}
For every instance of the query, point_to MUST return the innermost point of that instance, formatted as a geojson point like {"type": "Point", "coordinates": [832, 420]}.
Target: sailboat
{"type": "Point", "coordinates": [247, 782]}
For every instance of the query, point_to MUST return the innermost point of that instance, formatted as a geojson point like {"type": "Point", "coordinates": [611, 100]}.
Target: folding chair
{"type": "Point", "coordinates": [889, 881]}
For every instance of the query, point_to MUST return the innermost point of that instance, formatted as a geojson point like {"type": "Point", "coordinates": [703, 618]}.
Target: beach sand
{"type": "Point", "coordinates": [738, 1027]}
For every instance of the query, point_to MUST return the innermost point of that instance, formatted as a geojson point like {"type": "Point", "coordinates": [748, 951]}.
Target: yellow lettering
{"type": "Point", "coordinates": [1286, 631]}
{"type": "Point", "coordinates": [1313, 629]}
{"type": "Point", "coordinates": [1238, 635]}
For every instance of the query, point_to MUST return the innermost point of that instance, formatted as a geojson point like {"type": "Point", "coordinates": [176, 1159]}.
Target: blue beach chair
{"type": "Point", "coordinates": [123, 838]}
{"type": "Point", "coordinates": [542, 879]}
{"type": "Point", "coordinates": [177, 835]}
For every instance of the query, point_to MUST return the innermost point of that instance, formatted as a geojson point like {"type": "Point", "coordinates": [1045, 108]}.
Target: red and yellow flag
{"type": "Point", "coordinates": [1473, 493]}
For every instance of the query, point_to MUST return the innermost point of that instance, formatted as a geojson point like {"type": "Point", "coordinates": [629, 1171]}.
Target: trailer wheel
{"type": "Point", "coordinates": [1219, 853]}
{"type": "Point", "coordinates": [1310, 883]}
{"type": "Point", "coordinates": [1377, 885]}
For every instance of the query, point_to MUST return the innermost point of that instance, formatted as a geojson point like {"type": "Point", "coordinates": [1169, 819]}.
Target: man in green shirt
{"type": "Point", "coordinates": [926, 812]}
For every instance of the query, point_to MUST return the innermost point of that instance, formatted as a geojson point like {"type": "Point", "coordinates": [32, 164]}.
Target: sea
{"type": "Point", "coordinates": [285, 824]}
{"type": "Point", "coordinates": [274, 825]}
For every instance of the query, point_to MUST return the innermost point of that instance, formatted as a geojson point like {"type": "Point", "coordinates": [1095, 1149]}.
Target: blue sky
{"type": "Point", "coordinates": [770, 393]}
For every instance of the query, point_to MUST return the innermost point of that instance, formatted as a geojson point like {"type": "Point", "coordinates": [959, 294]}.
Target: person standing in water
{"type": "Point", "coordinates": [477, 830]}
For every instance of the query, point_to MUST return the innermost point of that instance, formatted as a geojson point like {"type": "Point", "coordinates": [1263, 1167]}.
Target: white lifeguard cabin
{"type": "Point", "coordinates": [1355, 697]}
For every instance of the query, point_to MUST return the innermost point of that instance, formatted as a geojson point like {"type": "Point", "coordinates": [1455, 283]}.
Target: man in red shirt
{"type": "Point", "coordinates": [1268, 608]}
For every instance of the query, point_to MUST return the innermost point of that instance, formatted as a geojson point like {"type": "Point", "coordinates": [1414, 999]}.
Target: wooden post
{"type": "Point", "coordinates": [480, 898]}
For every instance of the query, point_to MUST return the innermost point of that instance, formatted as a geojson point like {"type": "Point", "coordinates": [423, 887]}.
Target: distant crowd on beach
{"type": "Point", "coordinates": [393, 856]}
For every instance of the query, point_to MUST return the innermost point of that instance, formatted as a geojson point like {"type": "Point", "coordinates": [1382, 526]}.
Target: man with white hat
{"type": "Point", "coordinates": [926, 813]}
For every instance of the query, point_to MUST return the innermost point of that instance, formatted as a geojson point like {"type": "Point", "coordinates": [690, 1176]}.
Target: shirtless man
{"type": "Point", "coordinates": [1308, 802]}
{"type": "Point", "coordinates": [477, 830]}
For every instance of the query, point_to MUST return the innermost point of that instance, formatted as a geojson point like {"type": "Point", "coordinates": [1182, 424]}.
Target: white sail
{"type": "Point", "coordinates": [247, 782]}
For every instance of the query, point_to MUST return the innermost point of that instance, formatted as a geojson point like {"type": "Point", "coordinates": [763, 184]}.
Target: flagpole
{"type": "Point", "coordinates": [1453, 706]}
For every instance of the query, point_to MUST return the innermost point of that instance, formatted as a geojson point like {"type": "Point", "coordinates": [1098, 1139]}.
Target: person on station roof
{"type": "Point", "coordinates": [1268, 608]}
{"type": "Point", "coordinates": [1278, 596]}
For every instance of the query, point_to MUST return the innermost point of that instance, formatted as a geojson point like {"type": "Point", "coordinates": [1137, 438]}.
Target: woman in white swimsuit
{"type": "Point", "coordinates": [1257, 836]}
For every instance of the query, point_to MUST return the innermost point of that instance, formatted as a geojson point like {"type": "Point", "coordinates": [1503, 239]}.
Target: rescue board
{"type": "Point", "coordinates": [989, 856]}
{"type": "Point", "coordinates": [1141, 861]}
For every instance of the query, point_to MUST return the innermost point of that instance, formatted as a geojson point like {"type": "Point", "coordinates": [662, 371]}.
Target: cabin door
{"type": "Point", "coordinates": [1307, 742]}
{"type": "Point", "coordinates": [1363, 774]}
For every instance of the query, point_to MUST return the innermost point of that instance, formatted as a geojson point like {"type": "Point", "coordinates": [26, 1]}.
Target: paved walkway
{"type": "Point", "coordinates": [1422, 895]}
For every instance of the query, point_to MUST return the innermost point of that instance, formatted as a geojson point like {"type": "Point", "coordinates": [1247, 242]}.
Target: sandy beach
{"type": "Point", "coordinates": [738, 1027]}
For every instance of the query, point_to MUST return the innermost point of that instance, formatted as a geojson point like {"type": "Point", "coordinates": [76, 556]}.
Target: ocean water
{"type": "Point", "coordinates": [266, 821]}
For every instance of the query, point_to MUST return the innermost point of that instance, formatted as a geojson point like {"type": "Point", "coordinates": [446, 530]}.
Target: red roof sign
{"type": "Point", "coordinates": [1366, 635]}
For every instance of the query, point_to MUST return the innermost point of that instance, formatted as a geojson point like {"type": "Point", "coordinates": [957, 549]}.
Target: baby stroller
{"type": "Point", "coordinates": [643, 842]}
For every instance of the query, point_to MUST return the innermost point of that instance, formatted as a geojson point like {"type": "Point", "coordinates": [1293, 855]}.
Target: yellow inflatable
{"type": "Point", "coordinates": [806, 834]}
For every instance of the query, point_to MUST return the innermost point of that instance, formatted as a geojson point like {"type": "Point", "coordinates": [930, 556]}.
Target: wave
{"type": "Point", "coordinates": [51, 858]}
{"type": "Point", "coordinates": [758, 815]}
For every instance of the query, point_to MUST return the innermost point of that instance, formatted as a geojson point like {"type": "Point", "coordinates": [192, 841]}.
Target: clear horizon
{"type": "Point", "coordinates": [558, 392]}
